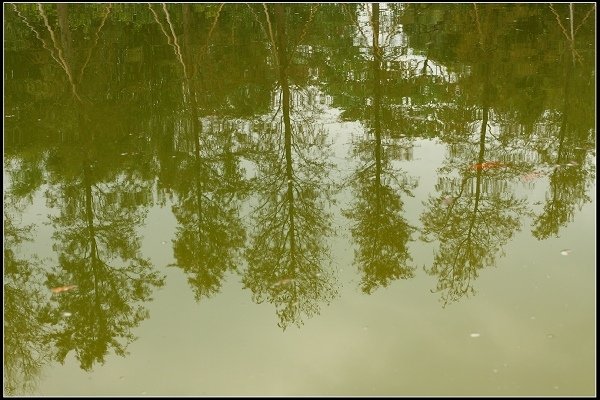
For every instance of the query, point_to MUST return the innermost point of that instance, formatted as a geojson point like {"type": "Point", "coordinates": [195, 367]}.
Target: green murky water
{"type": "Point", "coordinates": [299, 199]}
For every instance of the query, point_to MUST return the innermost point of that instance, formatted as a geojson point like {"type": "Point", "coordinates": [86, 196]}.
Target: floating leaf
{"type": "Point", "coordinates": [532, 176]}
{"type": "Point", "coordinates": [61, 289]}
{"type": "Point", "coordinates": [487, 165]}
{"type": "Point", "coordinates": [448, 200]}
{"type": "Point", "coordinates": [282, 282]}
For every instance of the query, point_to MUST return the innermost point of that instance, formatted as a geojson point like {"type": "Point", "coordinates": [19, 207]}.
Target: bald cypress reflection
{"type": "Point", "coordinates": [568, 152]}
{"type": "Point", "coordinates": [287, 257]}
{"type": "Point", "coordinates": [25, 350]}
{"type": "Point", "coordinates": [474, 216]}
{"type": "Point", "coordinates": [98, 249]}
{"type": "Point", "coordinates": [380, 230]}
{"type": "Point", "coordinates": [96, 239]}
{"type": "Point", "coordinates": [209, 178]}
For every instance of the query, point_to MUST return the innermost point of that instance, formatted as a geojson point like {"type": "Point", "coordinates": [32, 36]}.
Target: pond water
{"type": "Point", "coordinates": [299, 199]}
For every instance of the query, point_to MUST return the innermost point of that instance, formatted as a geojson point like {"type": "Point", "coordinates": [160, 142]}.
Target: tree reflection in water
{"type": "Point", "coordinates": [380, 230]}
{"type": "Point", "coordinates": [567, 151]}
{"type": "Point", "coordinates": [209, 180]}
{"type": "Point", "coordinates": [475, 216]}
{"type": "Point", "coordinates": [96, 227]}
{"type": "Point", "coordinates": [287, 259]}
{"type": "Point", "coordinates": [25, 347]}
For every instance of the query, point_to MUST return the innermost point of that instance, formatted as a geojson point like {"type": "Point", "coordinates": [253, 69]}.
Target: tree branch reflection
{"type": "Point", "coordinates": [568, 151]}
{"type": "Point", "coordinates": [475, 215]}
{"type": "Point", "coordinates": [25, 348]}
{"type": "Point", "coordinates": [209, 181]}
{"type": "Point", "coordinates": [96, 228]}
{"type": "Point", "coordinates": [381, 231]}
{"type": "Point", "coordinates": [287, 254]}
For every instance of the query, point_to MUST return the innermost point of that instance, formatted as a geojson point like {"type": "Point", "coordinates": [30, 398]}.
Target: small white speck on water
{"type": "Point", "coordinates": [163, 242]}
{"type": "Point", "coordinates": [532, 317]}
{"type": "Point", "coordinates": [474, 335]}
{"type": "Point", "coordinates": [495, 370]}
{"type": "Point", "coordinates": [549, 336]}
{"type": "Point", "coordinates": [565, 252]}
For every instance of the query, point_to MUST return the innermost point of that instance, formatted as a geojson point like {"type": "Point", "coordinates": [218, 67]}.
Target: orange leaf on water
{"type": "Point", "coordinates": [487, 165]}
{"type": "Point", "coordinates": [63, 288]}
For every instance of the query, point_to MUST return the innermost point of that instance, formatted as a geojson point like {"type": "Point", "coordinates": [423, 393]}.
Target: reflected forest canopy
{"type": "Point", "coordinates": [222, 113]}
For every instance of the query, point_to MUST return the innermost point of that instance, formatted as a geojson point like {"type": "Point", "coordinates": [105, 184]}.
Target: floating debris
{"type": "Point", "coordinates": [549, 336]}
{"type": "Point", "coordinates": [280, 282]}
{"type": "Point", "coordinates": [487, 165]}
{"type": "Point", "coordinates": [448, 200]}
{"type": "Point", "coordinates": [474, 335]}
{"type": "Point", "coordinates": [61, 289]}
{"type": "Point", "coordinates": [66, 314]}
{"type": "Point", "coordinates": [565, 252]}
{"type": "Point", "coordinates": [530, 177]}
{"type": "Point", "coordinates": [163, 242]}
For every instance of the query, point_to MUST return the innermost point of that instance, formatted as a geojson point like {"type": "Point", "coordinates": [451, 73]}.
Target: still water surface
{"type": "Point", "coordinates": [299, 199]}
